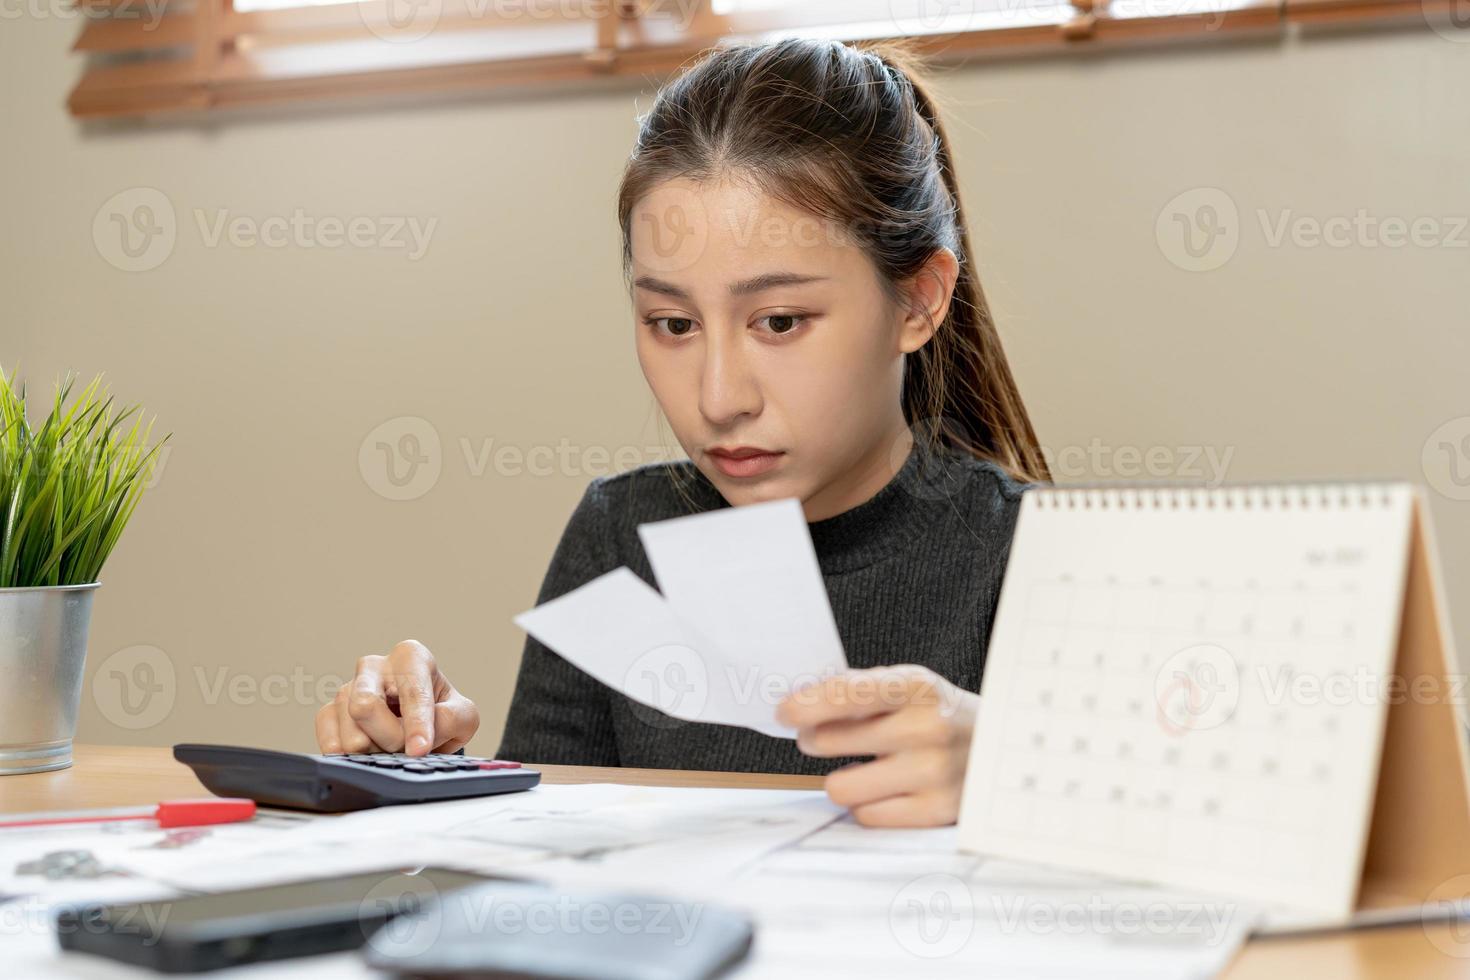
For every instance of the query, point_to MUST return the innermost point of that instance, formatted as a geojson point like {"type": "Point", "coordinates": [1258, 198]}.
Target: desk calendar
{"type": "Point", "coordinates": [1243, 690]}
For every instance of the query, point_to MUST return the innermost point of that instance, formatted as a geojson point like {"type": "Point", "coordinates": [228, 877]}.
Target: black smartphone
{"type": "Point", "coordinates": [209, 932]}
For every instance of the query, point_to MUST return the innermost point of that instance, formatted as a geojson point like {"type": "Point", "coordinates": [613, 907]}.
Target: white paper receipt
{"type": "Point", "coordinates": [743, 618]}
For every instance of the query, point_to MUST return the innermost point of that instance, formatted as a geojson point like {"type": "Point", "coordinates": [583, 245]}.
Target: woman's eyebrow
{"type": "Point", "coordinates": [659, 286]}
{"type": "Point", "coordinates": [755, 284]}
{"type": "Point", "coordinates": [770, 280]}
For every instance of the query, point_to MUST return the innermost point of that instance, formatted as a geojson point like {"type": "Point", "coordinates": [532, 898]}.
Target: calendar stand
{"type": "Point", "coordinates": [1419, 838]}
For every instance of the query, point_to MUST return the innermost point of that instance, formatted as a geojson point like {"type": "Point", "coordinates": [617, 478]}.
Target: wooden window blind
{"type": "Point", "coordinates": [146, 57]}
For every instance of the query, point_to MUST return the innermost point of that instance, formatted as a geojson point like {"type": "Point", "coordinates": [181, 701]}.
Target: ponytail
{"type": "Point", "coordinates": [961, 379]}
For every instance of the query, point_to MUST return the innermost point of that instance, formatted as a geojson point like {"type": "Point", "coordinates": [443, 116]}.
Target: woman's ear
{"type": "Point", "coordinates": [928, 293]}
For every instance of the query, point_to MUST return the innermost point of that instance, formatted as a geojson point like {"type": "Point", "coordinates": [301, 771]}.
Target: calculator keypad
{"type": "Point", "coordinates": [434, 762]}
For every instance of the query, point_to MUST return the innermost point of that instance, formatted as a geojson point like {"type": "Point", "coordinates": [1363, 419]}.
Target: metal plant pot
{"type": "Point", "coordinates": [43, 648]}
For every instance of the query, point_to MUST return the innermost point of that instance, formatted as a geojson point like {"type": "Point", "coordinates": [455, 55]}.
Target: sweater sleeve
{"type": "Point", "coordinates": [560, 715]}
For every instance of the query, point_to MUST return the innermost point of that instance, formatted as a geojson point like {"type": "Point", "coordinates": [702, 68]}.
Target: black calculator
{"type": "Point", "coordinates": [349, 781]}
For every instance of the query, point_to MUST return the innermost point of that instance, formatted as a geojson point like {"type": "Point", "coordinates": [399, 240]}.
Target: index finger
{"type": "Point", "coordinates": [367, 705]}
{"type": "Point", "coordinates": [413, 675]}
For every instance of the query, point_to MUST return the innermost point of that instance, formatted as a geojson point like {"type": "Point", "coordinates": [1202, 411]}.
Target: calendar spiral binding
{"type": "Point", "coordinates": [1244, 497]}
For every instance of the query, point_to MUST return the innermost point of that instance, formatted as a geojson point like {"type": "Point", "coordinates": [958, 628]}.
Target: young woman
{"type": "Point", "coordinates": [810, 321]}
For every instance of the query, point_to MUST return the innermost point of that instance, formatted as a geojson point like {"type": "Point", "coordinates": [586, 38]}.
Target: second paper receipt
{"type": "Point", "coordinates": [742, 618]}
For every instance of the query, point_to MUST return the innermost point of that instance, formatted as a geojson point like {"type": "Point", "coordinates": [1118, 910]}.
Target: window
{"type": "Point", "coordinates": [156, 56]}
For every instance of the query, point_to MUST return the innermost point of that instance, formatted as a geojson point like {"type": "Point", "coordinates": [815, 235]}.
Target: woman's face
{"type": "Point", "coordinates": [760, 327]}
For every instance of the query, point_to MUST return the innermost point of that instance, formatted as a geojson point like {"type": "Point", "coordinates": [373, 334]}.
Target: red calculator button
{"type": "Point", "coordinates": [498, 764]}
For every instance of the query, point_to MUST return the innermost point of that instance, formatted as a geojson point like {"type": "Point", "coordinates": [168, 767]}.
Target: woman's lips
{"type": "Point", "coordinates": [746, 466]}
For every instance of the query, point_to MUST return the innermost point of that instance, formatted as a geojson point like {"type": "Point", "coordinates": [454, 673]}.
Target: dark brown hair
{"type": "Point", "coordinates": [851, 135]}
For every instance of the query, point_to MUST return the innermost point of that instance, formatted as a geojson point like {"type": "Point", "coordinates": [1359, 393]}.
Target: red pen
{"type": "Point", "coordinates": [169, 813]}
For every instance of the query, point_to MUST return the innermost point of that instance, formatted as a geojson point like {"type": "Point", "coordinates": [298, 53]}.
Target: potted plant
{"type": "Point", "coordinates": [67, 489]}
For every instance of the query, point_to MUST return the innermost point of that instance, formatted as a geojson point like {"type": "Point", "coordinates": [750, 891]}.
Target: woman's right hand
{"type": "Point", "coordinates": [398, 703]}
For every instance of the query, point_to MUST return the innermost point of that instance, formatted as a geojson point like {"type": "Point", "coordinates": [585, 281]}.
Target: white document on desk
{"type": "Point", "coordinates": [743, 618]}
{"type": "Point", "coordinates": [855, 902]}
{"type": "Point", "coordinates": [602, 831]}
{"type": "Point", "coordinates": [829, 898]}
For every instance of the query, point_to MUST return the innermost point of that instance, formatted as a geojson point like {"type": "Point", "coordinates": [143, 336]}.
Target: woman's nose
{"type": "Point", "coordinates": [727, 388]}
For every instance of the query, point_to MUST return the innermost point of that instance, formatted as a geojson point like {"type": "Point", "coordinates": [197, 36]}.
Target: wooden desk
{"type": "Point", "coordinates": [122, 776]}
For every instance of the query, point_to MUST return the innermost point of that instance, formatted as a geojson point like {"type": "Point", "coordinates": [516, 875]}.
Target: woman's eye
{"type": "Point", "coordinates": [779, 323]}
{"type": "Point", "coordinates": [676, 326]}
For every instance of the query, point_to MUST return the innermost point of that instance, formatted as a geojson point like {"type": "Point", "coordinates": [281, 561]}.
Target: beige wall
{"type": "Point", "coordinates": [263, 551]}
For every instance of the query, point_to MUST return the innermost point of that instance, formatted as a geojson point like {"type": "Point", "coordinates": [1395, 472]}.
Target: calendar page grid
{"type": "Point", "coordinates": [1198, 695]}
{"type": "Point", "coordinates": [1086, 702]}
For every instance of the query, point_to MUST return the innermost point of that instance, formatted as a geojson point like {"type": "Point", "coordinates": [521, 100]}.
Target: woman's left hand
{"type": "Point", "coordinates": [917, 724]}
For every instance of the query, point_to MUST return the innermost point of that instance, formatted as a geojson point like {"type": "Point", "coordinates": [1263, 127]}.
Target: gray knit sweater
{"type": "Point", "coordinates": [912, 574]}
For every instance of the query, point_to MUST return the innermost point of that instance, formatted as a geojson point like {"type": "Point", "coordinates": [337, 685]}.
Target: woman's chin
{"type": "Point", "coordinates": [740, 492]}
